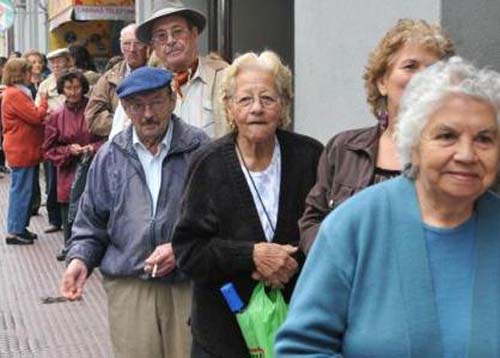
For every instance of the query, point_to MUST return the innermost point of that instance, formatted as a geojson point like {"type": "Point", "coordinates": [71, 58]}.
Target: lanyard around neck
{"type": "Point", "coordinates": [268, 217]}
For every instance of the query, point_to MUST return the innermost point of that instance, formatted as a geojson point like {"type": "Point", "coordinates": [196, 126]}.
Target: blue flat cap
{"type": "Point", "coordinates": [142, 80]}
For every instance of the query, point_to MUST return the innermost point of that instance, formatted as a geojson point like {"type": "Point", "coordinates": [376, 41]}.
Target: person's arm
{"type": "Point", "coordinates": [89, 237]}
{"type": "Point", "coordinates": [317, 206]}
{"type": "Point", "coordinates": [26, 110]}
{"type": "Point", "coordinates": [99, 110]}
{"type": "Point", "coordinates": [318, 312]}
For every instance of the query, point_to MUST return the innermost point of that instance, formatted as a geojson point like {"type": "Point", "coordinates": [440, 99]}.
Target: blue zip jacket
{"type": "Point", "coordinates": [115, 227]}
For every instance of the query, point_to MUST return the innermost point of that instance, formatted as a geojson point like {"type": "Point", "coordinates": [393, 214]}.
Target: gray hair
{"type": "Point", "coordinates": [267, 61]}
{"type": "Point", "coordinates": [427, 91]}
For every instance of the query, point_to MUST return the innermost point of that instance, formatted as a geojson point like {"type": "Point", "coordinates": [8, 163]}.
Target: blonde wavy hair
{"type": "Point", "coordinates": [266, 61]}
{"type": "Point", "coordinates": [418, 31]}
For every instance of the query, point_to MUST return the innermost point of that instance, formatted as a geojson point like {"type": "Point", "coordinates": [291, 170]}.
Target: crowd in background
{"type": "Point", "coordinates": [175, 173]}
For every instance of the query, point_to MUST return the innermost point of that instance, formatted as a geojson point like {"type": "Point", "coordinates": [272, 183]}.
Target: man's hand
{"type": "Point", "coordinates": [274, 263]}
{"type": "Point", "coordinates": [74, 279]}
{"type": "Point", "coordinates": [164, 259]}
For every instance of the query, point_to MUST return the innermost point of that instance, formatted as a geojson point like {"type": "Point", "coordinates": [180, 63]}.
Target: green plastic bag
{"type": "Point", "coordinates": [260, 320]}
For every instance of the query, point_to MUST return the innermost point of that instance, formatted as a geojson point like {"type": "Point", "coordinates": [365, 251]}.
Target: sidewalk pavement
{"type": "Point", "coordinates": [33, 323]}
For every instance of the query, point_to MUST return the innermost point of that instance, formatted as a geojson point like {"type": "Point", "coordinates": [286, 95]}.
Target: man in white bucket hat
{"type": "Point", "coordinates": [173, 32]}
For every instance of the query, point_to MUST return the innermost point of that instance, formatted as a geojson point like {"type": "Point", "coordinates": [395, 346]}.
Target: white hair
{"type": "Point", "coordinates": [129, 28]}
{"type": "Point", "coordinates": [428, 90]}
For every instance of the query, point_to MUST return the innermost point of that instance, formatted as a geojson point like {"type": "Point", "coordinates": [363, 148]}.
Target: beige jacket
{"type": "Point", "coordinates": [49, 86]}
{"type": "Point", "coordinates": [103, 100]}
{"type": "Point", "coordinates": [202, 98]}
{"type": "Point", "coordinates": [217, 66]}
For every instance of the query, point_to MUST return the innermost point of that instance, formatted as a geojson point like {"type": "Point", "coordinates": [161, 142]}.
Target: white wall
{"type": "Point", "coordinates": [332, 41]}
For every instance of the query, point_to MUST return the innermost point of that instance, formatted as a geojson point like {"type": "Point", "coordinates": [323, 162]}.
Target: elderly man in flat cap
{"type": "Point", "coordinates": [173, 33]}
{"type": "Point", "coordinates": [125, 221]}
{"type": "Point", "coordinates": [59, 63]}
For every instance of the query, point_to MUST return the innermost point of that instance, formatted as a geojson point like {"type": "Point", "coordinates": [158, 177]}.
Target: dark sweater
{"type": "Point", "coordinates": [219, 225]}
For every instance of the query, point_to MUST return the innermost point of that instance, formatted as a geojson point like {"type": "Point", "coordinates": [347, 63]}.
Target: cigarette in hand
{"type": "Point", "coordinates": [155, 268]}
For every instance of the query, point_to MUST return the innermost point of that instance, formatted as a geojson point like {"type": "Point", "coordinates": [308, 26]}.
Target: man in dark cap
{"type": "Point", "coordinates": [173, 33]}
{"type": "Point", "coordinates": [125, 221]}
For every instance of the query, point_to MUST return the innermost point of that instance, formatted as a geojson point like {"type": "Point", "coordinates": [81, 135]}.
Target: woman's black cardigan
{"type": "Point", "coordinates": [219, 225]}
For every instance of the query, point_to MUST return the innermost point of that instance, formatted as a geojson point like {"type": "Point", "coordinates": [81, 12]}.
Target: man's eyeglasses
{"type": "Point", "coordinates": [266, 101]}
{"type": "Point", "coordinates": [161, 37]}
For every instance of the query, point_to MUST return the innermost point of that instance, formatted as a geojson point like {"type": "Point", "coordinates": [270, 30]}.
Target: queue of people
{"type": "Point", "coordinates": [384, 242]}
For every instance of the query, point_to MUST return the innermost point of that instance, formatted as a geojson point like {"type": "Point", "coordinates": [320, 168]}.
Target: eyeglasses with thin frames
{"type": "Point", "coordinates": [246, 101]}
{"type": "Point", "coordinates": [161, 37]}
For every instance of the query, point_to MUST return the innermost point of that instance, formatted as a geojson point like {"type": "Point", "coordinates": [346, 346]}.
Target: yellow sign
{"type": "Point", "coordinates": [95, 35]}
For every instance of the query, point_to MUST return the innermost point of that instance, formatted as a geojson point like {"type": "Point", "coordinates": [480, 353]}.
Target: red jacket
{"type": "Point", "coordinates": [65, 127]}
{"type": "Point", "coordinates": [22, 128]}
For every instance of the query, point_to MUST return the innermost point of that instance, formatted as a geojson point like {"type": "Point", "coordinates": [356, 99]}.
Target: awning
{"type": "Point", "coordinates": [87, 13]}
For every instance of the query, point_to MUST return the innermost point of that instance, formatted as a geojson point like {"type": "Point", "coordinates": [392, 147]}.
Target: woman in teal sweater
{"type": "Point", "coordinates": [409, 267]}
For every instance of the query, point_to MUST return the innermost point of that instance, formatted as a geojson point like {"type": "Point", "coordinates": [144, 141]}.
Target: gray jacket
{"type": "Point", "coordinates": [115, 227]}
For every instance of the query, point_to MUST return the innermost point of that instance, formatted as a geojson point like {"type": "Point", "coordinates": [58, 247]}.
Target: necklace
{"type": "Point", "coordinates": [268, 217]}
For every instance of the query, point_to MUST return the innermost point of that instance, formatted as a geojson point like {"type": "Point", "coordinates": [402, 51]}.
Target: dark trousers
{"type": "Point", "coordinates": [37, 195]}
{"type": "Point", "coordinates": [65, 224]}
{"type": "Point", "coordinates": [53, 207]}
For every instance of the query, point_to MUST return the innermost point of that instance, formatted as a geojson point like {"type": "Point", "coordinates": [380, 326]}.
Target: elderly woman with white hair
{"type": "Point", "coordinates": [244, 196]}
{"type": "Point", "coordinates": [410, 267]}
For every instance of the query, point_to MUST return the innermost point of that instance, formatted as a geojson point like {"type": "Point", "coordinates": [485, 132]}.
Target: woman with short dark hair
{"type": "Point", "coordinates": [67, 139]}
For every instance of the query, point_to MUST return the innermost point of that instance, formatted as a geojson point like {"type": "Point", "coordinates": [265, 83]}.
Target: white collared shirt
{"type": "Point", "coordinates": [195, 107]}
{"type": "Point", "coordinates": [152, 163]}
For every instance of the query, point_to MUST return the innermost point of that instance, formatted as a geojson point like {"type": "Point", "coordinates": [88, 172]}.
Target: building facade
{"type": "Point", "coordinates": [325, 42]}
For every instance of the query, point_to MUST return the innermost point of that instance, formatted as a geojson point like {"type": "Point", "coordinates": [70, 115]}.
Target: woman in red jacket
{"type": "Point", "coordinates": [67, 139]}
{"type": "Point", "coordinates": [23, 136]}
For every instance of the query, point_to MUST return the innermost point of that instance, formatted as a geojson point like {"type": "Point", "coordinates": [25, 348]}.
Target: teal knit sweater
{"type": "Point", "coordinates": [366, 288]}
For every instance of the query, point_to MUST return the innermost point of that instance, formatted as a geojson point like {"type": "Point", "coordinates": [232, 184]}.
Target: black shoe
{"type": "Point", "coordinates": [51, 228]}
{"type": "Point", "coordinates": [20, 239]}
{"type": "Point", "coordinates": [30, 234]}
{"type": "Point", "coordinates": [61, 256]}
